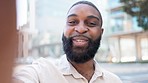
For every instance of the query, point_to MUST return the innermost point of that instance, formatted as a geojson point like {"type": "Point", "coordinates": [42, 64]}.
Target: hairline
{"type": "Point", "coordinates": [90, 4]}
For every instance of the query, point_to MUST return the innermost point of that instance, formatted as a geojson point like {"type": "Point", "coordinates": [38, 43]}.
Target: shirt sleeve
{"type": "Point", "coordinates": [27, 74]}
{"type": "Point", "coordinates": [40, 71]}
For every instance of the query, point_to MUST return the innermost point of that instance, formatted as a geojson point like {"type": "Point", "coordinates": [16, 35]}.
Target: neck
{"type": "Point", "coordinates": [85, 69]}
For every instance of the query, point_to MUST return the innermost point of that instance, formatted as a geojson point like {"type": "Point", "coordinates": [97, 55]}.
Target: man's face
{"type": "Point", "coordinates": [82, 34]}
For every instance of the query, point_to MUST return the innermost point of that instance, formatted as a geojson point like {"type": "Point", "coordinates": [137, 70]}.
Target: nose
{"type": "Point", "coordinates": [81, 28]}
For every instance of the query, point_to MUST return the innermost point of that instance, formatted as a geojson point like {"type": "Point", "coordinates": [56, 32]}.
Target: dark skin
{"type": "Point", "coordinates": [83, 19]}
{"type": "Point", "coordinates": [8, 39]}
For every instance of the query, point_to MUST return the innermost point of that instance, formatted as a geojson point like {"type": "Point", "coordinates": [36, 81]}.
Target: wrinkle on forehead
{"type": "Point", "coordinates": [84, 10]}
{"type": "Point", "coordinates": [83, 5]}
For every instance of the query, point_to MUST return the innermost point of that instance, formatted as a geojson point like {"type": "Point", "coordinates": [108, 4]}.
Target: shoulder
{"type": "Point", "coordinates": [107, 75]}
{"type": "Point", "coordinates": [27, 72]}
{"type": "Point", "coordinates": [40, 71]}
{"type": "Point", "coordinates": [41, 65]}
{"type": "Point", "coordinates": [34, 68]}
{"type": "Point", "coordinates": [111, 76]}
{"type": "Point", "coordinates": [33, 72]}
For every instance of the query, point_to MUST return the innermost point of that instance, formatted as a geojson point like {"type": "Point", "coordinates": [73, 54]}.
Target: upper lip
{"type": "Point", "coordinates": [80, 38]}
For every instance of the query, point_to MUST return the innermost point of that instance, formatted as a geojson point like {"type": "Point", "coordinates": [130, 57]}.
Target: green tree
{"type": "Point", "coordinates": [138, 9]}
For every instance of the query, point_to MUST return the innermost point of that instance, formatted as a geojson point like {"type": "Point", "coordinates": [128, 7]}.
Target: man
{"type": "Point", "coordinates": [81, 40]}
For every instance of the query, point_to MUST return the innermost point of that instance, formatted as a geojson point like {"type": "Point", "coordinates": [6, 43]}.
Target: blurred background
{"type": "Point", "coordinates": [124, 47]}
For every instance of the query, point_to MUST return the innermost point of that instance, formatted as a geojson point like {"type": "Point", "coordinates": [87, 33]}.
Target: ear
{"type": "Point", "coordinates": [102, 30]}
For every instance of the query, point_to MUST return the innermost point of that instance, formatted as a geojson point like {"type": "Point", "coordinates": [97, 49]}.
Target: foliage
{"type": "Point", "coordinates": [138, 9]}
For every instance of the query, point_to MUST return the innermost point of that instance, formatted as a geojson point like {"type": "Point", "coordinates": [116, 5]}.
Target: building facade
{"type": "Point", "coordinates": [127, 41]}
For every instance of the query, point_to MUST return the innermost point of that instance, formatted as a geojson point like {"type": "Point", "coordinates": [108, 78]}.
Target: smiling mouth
{"type": "Point", "coordinates": [80, 41]}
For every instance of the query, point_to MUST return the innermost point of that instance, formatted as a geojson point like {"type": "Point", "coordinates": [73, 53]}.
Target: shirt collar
{"type": "Point", "coordinates": [67, 69]}
{"type": "Point", "coordinates": [98, 69]}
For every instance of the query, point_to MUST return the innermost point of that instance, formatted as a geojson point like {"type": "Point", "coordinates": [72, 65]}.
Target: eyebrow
{"type": "Point", "coordinates": [71, 15]}
{"type": "Point", "coordinates": [92, 16]}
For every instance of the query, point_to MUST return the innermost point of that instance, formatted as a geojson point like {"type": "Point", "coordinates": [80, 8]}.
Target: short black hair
{"type": "Point", "coordinates": [90, 4]}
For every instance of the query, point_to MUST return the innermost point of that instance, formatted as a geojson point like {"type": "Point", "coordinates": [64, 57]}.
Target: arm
{"type": "Point", "coordinates": [8, 39]}
{"type": "Point", "coordinates": [26, 74]}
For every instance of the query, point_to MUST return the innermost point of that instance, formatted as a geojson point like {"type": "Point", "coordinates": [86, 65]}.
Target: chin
{"type": "Point", "coordinates": [80, 54]}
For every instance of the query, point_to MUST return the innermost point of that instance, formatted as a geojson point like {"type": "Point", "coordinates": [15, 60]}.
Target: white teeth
{"type": "Point", "coordinates": [79, 40]}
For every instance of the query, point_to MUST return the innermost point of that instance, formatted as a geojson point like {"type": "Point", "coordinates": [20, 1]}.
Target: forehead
{"type": "Point", "coordinates": [83, 9]}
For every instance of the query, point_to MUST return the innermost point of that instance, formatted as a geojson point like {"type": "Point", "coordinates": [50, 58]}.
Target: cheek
{"type": "Point", "coordinates": [95, 33]}
{"type": "Point", "coordinates": [68, 31]}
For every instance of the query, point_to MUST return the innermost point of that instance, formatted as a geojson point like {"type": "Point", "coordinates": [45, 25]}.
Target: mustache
{"type": "Point", "coordinates": [80, 35]}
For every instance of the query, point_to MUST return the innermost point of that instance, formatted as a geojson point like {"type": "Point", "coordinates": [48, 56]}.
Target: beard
{"type": "Point", "coordinates": [80, 54]}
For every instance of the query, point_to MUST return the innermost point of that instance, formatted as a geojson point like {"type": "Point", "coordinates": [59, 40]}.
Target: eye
{"type": "Point", "coordinates": [72, 23]}
{"type": "Point", "coordinates": [91, 24]}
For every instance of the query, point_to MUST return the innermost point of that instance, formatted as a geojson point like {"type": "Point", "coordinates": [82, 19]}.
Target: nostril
{"type": "Point", "coordinates": [81, 30]}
